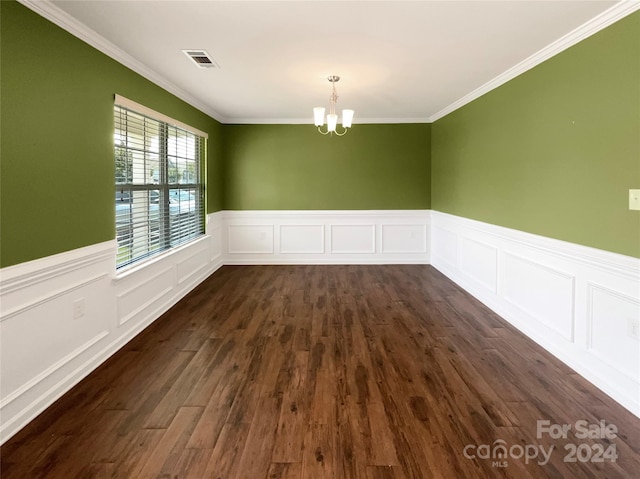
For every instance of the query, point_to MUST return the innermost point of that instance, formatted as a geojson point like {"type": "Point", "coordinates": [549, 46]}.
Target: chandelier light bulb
{"type": "Point", "coordinates": [347, 118]}
{"type": "Point", "coordinates": [332, 121]}
{"type": "Point", "coordinates": [318, 115]}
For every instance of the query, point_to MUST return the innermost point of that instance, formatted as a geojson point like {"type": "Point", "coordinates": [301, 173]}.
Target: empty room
{"type": "Point", "coordinates": [319, 239]}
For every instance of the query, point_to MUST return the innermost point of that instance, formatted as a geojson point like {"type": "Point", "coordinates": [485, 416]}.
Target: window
{"type": "Point", "coordinates": [159, 189]}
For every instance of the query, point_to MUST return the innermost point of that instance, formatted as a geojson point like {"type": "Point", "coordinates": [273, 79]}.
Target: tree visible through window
{"type": "Point", "coordinates": [159, 199]}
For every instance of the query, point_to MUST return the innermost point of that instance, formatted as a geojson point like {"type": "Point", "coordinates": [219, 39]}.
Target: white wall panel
{"type": "Point", "coordinates": [404, 238]}
{"type": "Point", "coordinates": [544, 293]}
{"type": "Point", "coordinates": [302, 239]}
{"type": "Point", "coordinates": [47, 334]}
{"type": "Point", "coordinates": [215, 246]}
{"type": "Point", "coordinates": [26, 284]}
{"type": "Point", "coordinates": [445, 246]}
{"type": "Point", "coordinates": [252, 239]}
{"type": "Point", "coordinates": [359, 239]}
{"type": "Point", "coordinates": [142, 294]}
{"type": "Point", "coordinates": [193, 264]}
{"type": "Point", "coordinates": [611, 315]}
{"type": "Point", "coordinates": [479, 262]}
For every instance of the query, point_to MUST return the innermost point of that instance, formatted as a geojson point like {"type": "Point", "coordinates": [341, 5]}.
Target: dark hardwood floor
{"type": "Point", "coordinates": [371, 372]}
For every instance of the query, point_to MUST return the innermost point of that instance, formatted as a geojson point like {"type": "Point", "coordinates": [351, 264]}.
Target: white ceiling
{"type": "Point", "coordinates": [399, 61]}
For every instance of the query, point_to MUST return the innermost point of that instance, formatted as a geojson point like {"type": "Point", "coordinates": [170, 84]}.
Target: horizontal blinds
{"type": "Point", "coordinates": [144, 110]}
{"type": "Point", "coordinates": [159, 198]}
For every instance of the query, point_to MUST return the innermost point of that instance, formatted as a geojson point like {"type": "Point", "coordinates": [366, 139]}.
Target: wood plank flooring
{"type": "Point", "coordinates": [300, 372]}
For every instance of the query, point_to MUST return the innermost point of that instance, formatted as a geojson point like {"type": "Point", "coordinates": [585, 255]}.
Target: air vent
{"type": "Point", "coordinates": [201, 58]}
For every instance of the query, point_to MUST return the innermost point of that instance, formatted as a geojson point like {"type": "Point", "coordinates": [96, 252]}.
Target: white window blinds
{"type": "Point", "coordinates": [159, 197]}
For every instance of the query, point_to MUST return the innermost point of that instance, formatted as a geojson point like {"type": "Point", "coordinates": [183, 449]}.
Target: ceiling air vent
{"type": "Point", "coordinates": [201, 58]}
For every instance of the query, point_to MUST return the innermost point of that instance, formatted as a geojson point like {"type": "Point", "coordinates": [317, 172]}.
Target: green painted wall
{"type": "Point", "coordinates": [56, 153]}
{"type": "Point", "coordinates": [554, 151]}
{"type": "Point", "coordinates": [293, 167]}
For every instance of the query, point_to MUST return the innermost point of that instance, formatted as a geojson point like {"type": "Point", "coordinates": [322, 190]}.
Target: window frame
{"type": "Point", "coordinates": [170, 236]}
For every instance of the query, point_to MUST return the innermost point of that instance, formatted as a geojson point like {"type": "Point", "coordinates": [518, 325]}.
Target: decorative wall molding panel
{"type": "Point", "coordinates": [353, 239]}
{"type": "Point", "coordinates": [250, 239]}
{"type": "Point", "coordinates": [409, 238]}
{"type": "Point", "coordinates": [302, 239]}
{"type": "Point", "coordinates": [62, 316]}
{"type": "Point", "coordinates": [326, 237]}
{"type": "Point", "coordinates": [579, 303]}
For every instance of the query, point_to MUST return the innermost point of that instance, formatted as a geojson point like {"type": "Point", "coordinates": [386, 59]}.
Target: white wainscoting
{"type": "Point", "coordinates": [331, 237]}
{"type": "Point", "coordinates": [45, 350]}
{"type": "Point", "coordinates": [576, 302]}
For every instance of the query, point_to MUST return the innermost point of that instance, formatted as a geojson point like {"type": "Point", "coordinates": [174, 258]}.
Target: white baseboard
{"type": "Point", "coordinates": [576, 302]}
{"type": "Point", "coordinates": [326, 237]}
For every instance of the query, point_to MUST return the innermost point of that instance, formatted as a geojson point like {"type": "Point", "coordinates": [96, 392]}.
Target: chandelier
{"type": "Point", "coordinates": [332, 118]}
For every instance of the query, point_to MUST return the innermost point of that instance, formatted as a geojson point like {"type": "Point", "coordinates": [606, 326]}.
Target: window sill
{"type": "Point", "coordinates": [131, 270]}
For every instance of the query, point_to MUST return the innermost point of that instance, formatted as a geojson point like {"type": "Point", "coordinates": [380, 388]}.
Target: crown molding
{"type": "Point", "coordinates": [309, 121]}
{"type": "Point", "coordinates": [65, 21]}
{"type": "Point", "coordinates": [597, 23]}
